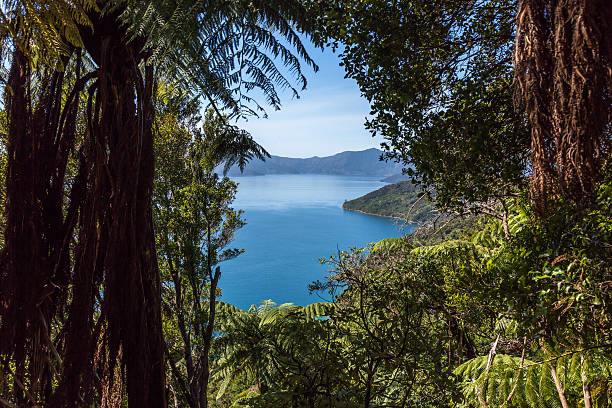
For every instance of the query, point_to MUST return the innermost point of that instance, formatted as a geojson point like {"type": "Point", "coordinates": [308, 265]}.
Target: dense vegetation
{"type": "Point", "coordinates": [395, 178]}
{"type": "Point", "coordinates": [115, 224]}
{"type": "Point", "coordinates": [401, 200]}
{"type": "Point", "coordinates": [409, 202]}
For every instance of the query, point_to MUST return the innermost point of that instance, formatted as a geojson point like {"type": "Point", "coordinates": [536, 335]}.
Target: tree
{"type": "Point", "coordinates": [194, 223]}
{"type": "Point", "coordinates": [3, 161]}
{"type": "Point", "coordinates": [39, 226]}
{"type": "Point", "coordinates": [104, 292]}
{"type": "Point", "coordinates": [286, 355]}
{"type": "Point", "coordinates": [563, 60]}
{"type": "Point", "coordinates": [438, 76]}
{"type": "Point", "coordinates": [402, 324]}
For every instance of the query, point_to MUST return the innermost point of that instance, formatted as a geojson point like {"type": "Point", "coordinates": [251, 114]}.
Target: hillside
{"type": "Point", "coordinates": [396, 178]}
{"type": "Point", "coordinates": [349, 163]}
{"type": "Point", "coordinates": [395, 200]}
{"type": "Point", "coordinates": [398, 200]}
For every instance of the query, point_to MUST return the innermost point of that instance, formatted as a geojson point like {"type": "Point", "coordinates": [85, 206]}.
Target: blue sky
{"type": "Point", "coordinates": [328, 117]}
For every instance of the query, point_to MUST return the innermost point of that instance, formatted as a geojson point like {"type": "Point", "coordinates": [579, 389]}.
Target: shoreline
{"type": "Point", "coordinates": [377, 215]}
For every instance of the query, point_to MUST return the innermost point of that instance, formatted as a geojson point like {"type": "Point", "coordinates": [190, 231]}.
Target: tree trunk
{"type": "Point", "coordinates": [116, 247]}
{"type": "Point", "coordinates": [586, 389]}
{"type": "Point", "coordinates": [558, 386]}
{"type": "Point", "coordinates": [122, 132]}
{"type": "Point", "coordinates": [208, 335]}
{"type": "Point", "coordinates": [34, 267]}
{"type": "Point", "coordinates": [132, 289]}
{"type": "Point", "coordinates": [17, 263]}
{"type": "Point", "coordinates": [563, 73]}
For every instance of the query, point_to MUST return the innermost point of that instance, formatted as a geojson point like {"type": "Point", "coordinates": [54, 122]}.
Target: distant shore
{"type": "Point", "coordinates": [378, 215]}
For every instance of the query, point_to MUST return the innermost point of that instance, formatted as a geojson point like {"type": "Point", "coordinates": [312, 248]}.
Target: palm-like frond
{"type": "Point", "coordinates": [254, 343]}
{"type": "Point", "coordinates": [45, 30]}
{"type": "Point", "coordinates": [528, 383]}
{"type": "Point", "coordinates": [221, 50]}
{"type": "Point", "coordinates": [226, 49]}
{"type": "Point", "coordinates": [534, 387]}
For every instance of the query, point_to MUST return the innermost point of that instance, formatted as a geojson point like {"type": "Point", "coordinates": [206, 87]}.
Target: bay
{"type": "Point", "coordinates": [292, 222]}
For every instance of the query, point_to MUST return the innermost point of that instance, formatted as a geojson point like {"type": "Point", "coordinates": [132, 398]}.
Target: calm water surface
{"type": "Point", "coordinates": [292, 221]}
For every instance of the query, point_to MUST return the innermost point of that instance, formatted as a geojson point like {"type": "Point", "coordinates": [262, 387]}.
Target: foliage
{"type": "Point", "coordinates": [449, 323]}
{"type": "Point", "coordinates": [194, 225]}
{"type": "Point", "coordinates": [401, 200]}
{"type": "Point", "coordinates": [438, 76]}
{"type": "Point", "coordinates": [86, 242]}
{"type": "Point", "coordinates": [520, 382]}
{"type": "Point", "coordinates": [288, 354]}
{"type": "Point", "coordinates": [393, 313]}
{"type": "Point", "coordinates": [409, 202]}
{"type": "Point", "coordinates": [46, 30]}
{"type": "Point", "coordinates": [557, 273]}
{"type": "Point", "coordinates": [513, 311]}
{"type": "Point", "coordinates": [543, 293]}
{"type": "Point", "coordinates": [551, 280]}
{"type": "Point", "coordinates": [228, 145]}
{"type": "Point", "coordinates": [226, 51]}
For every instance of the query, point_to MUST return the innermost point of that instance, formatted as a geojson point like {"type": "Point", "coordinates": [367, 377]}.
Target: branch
{"type": "Point", "coordinates": [569, 353]}
{"type": "Point", "coordinates": [480, 390]}
{"type": "Point", "coordinates": [176, 373]}
{"type": "Point", "coordinates": [517, 376]}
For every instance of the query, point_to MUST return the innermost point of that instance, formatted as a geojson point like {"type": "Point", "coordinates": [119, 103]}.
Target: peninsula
{"type": "Point", "coordinates": [400, 200]}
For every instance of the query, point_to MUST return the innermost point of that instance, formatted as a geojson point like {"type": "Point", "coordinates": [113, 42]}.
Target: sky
{"type": "Point", "coordinates": [328, 117]}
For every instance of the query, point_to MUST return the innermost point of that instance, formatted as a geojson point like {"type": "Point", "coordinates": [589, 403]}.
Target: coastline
{"type": "Point", "coordinates": [377, 215]}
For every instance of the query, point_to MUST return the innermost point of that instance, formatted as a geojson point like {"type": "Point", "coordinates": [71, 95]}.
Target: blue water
{"type": "Point", "coordinates": [292, 222]}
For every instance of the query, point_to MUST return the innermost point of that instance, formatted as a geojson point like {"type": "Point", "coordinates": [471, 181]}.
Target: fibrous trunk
{"type": "Point", "coordinates": [104, 300]}
{"type": "Point", "coordinates": [34, 263]}
{"type": "Point", "coordinates": [131, 306]}
{"type": "Point", "coordinates": [563, 61]}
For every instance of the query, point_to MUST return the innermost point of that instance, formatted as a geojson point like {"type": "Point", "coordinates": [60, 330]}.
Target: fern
{"type": "Point", "coordinates": [318, 310]}
{"type": "Point", "coordinates": [459, 249]}
{"type": "Point", "coordinates": [225, 50]}
{"type": "Point", "coordinates": [45, 30]}
{"type": "Point", "coordinates": [534, 385]}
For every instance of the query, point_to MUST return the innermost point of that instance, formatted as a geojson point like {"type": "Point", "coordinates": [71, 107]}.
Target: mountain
{"type": "Point", "coordinates": [350, 163]}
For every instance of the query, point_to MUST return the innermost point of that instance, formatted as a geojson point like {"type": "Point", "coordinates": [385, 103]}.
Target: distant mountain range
{"type": "Point", "coordinates": [350, 163]}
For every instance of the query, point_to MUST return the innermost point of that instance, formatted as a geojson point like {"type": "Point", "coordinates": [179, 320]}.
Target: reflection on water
{"type": "Point", "coordinates": [292, 221]}
{"type": "Point", "coordinates": [303, 190]}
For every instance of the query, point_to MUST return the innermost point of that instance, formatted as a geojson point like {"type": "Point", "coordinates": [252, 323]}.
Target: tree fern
{"type": "Point", "coordinates": [225, 50]}
{"type": "Point", "coordinates": [534, 388]}
{"type": "Point", "coordinates": [534, 384]}
{"type": "Point", "coordinates": [459, 249]}
{"type": "Point", "coordinates": [318, 310]}
{"type": "Point", "coordinates": [45, 30]}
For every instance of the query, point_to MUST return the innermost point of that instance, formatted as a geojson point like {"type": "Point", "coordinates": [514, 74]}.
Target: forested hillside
{"type": "Point", "coordinates": [402, 200]}
{"type": "Point", "coordinates": [395, 178]}
{"type": "Point", "coordinates": [116, 223]}
{"type": "Point", "coordinates": [408, 202]}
